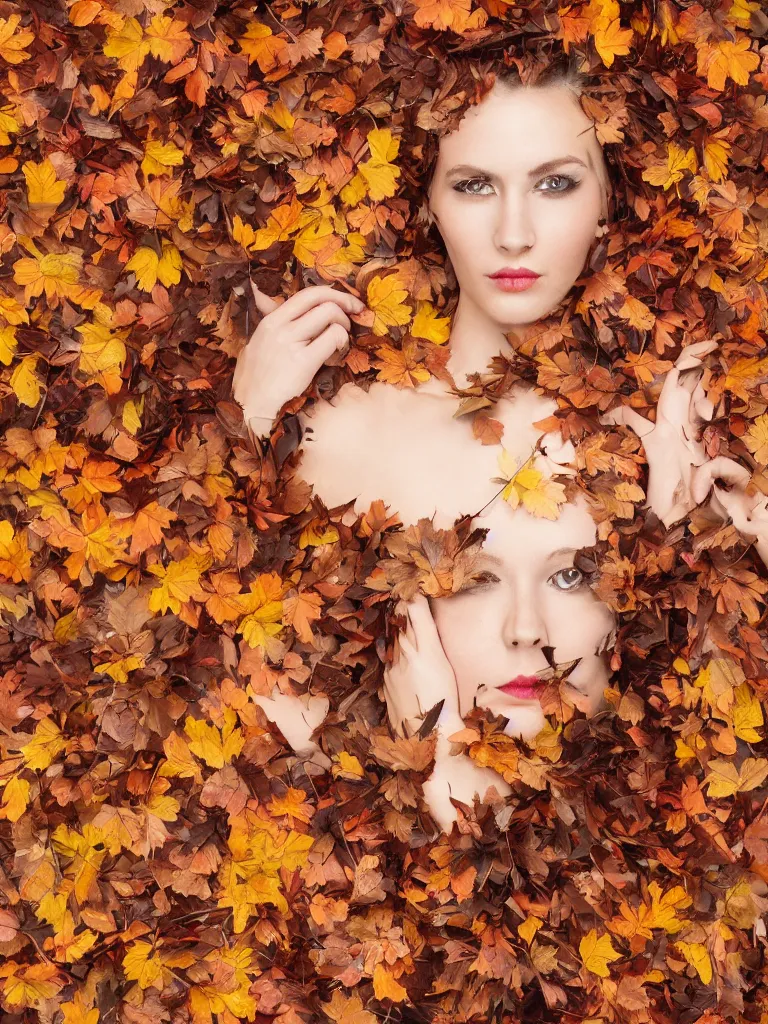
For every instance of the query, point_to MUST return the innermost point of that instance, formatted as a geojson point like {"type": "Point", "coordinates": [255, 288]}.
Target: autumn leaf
{"type": "Point", "coordinates": [128, 44]}
{"type": "Point", "coordinates": [678, 163]}
{"type": "Point", "coordinates": [756, 439]}
{"type": "Point", "coordinates": [15, 798]}
{"type": "Point", "coordinates": [291, 804]}
{"type": "Point", "coordinates": [24, 381]}
{"type": "Point", "coordinates": [428, 325]}
{"type": "Point", "coordinates": [401, 367]}
{"type": "Point", "coordinates": [725, 779]}
{"type": "Point", "coordinates": [347, 1009]}
{"type": "Point", "coordinates": [161, 158]}
{"type": "Point", "coordinates": [180, 583]}
{"type": "Point", "coordinates": [43, 187]}
{"type": "Point", "coordinates": [527, 486]}
{"type": "Point", "coordinates": [216, 747]}
{"type": "Point", "coordinates": [149, 267]}
{"type": "Point", "coordinates": [456, 15]}
{"type": "Point", "coordinates": [727, 59]}
{"type": "Point", "coordinates": [53, 273]}
{"type": "Point", "coordinates": [697, 956]}
{"type": "Point", "coordinates": [597, 953]}
{"type": "Point", "coordinates": [300, 610]}
{"type": "Point", "coordinates": [13, 40]}
{"type": "Point", "coordinates": [45, 746]}
{"type": "Point", "coordinates": [385, 296]}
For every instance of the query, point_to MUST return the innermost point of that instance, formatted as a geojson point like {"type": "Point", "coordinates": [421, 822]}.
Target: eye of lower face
{"type": "Point", "coordinates": [566, 579]}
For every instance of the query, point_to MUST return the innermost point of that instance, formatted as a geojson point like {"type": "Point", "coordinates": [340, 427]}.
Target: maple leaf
{"type": "Point", "coordinates": [662, 913]}
{"type": "Point", "coordinates": [97, 478]}
{"type": "Point", "coordinates": [180, 583]}
{"type": "Point", "coordinates": [29, 985]}
{"type": "Point", "coordinates": [8, 344]}
{"type": "Point", "coordinates": [611, 40]}
{"type": "Point", "coordinates": [401, 367]}
{"type": "Point", "coordinates": [726, 59]}
{"type": "Point", "coordinates": [15, 798]}
{"type": "Point", "coordinates": [15, 556]}
{"type": "Point", "coordinates": [697, 956]}
{"type": "Point", "coordinates": [52, 273]}
{"type": "Point", "coordinates": [448, 14]}
{"type": "Point", "coordinates": [168, 38]}
{"type": "Point", "coordinates": [527, 486]}
{"type": "Point", "coordinates": [149, 267]}
{"type": "Point", "coordinates": [13, 40]}
{"type": "Point", "coordinates": [45, 746]}
{"type": "Point", "coordinates": [679, 162]}
{"type": "Point", "coordinates": [148, 525]}
{"type": "Point", "coordinates": [128, 44]}
{"type": "Point", "coordinates": [43, 187]}
{"type": "Point", "coordinates": [597, 953]}
{"type": "Point", "coordinates": [216, 747]}
{"type": "Point", "coordinates": [161, 158]}
{"type": "Point", "coordinates": [291, 804]}
{"type": "Point", "coordinates": [260, 44]}
{"type": "Point", "coordinates": [756, 439]}
{"type": "Point", "coordinates": [384, 295]}
{"type": "Point", "coordinates": [25, 383]}
{"type": "Point", "coordinates": [379, 173]}
{"type": "Point", "coordinates": [725, 779]}
{"type": "Point", "coordinates": [428, 325]}
{"type": "Point", "coordinates": [348, 1010]}
{"type": "Point", "coordinates": [264, 610]}
{"type": "Point", "coordinates": [300, 610]}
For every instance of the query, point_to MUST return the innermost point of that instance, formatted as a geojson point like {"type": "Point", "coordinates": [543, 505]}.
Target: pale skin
{"type": "Point", "coordinates": [535, 200]}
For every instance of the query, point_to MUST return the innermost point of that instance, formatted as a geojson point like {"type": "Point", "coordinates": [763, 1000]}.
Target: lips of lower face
{"type": "Point", "coordinates": [528, 690]}
{"type": "Point", "coordinates": [514, 284]}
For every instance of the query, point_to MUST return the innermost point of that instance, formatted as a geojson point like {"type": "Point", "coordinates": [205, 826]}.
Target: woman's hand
{"type": "Point", "coordinates": [420, 675]}
{"type": "Point", "coordinates": [747, 512]}
{"type": "Point", "coordinates": [297, 719]}
{"type": "Point", "coordinates": [290, 344]}
{"type": "Point", "coordinates": [672, 446]}
{"type": "Point", "coordinates": [419, 678]}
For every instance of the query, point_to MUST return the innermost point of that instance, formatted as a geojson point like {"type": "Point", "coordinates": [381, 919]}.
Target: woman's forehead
{"type": "Point", "coordinates": [516, 536]}
{"type": "Point", "coordinates": [515, 130]}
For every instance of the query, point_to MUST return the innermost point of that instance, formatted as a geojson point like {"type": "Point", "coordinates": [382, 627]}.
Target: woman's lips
{"type": "Point", "coordinates": [523, 687]}
{"type": "Point", "coordinates": [515, 282]}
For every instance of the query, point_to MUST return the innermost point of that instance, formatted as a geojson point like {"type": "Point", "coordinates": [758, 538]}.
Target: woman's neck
{"type": "Point", "coordinates": [475, 340]}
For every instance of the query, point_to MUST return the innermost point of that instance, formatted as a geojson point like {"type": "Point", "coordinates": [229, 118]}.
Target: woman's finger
{"type": "Point", "coordinates": [306, 299]}
{"type": "Point", "coordinates": [719, 468]}
{"type": "Point", "coordinates": [311, 324]}
{"type": "Point", "coordinates": [625, 416]}
{"type": "Point", "coordinates": [424, 625]}
{"type": "Point", "coordinates": [265, 303]}
{"type": "Point", "coordinates": [691, 356]}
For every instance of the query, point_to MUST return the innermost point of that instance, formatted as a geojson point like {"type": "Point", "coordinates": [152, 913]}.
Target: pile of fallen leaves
{"type": "Point", "coordinates": [165, 857]}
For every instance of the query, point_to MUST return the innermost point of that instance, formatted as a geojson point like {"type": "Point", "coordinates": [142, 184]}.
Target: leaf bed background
{"type": "Point", "coordinates": [165, 857]}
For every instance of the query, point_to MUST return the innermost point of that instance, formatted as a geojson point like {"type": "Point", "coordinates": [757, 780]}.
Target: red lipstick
{"type": "Point", "coordinates": [514, 279]}
{"type": "Point", "coordinates": [523, 687]}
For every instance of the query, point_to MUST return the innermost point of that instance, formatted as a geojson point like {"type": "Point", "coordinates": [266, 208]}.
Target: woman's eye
{"type": "Point", "coordinates": [480, 580]}
{"type": "Point", "coordinates": [566, 579]}
{"type": "Point", "coordinates": [563, 183]}
{"type": "Point", "coordinates": [462, 186]}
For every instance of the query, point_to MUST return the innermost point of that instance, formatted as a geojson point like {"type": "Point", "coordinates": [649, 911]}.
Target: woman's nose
{"type": "Point", "coordinates": [514, 229]}
{"type": "Point", "coordinates": [524, 625]}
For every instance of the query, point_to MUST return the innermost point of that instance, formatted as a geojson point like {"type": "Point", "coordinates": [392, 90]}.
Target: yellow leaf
{"type": "Point", "coordinates": [54, 273]}
{"type": "Point", "coordinates": [13, 311]}
{"type": "Point", "coordinates": [215, 747]}
{"type": "Point", "coordinates": [527, 930]}
{"type": "Point", "coordinates": [43, 187]}
{"type": "Point", "coordinates": [386, 987]}
{"type": "Point", "coordinates": [8, 124]}
{"type": "Point", "coordinates": [347, 766]}
{"type": "Point", "coordinates": [716, 155]}
{"type": "Point", "coordinates": [180, 583]}
{"type": "Point", "coordinates": [727, 59]}
{"type": "Point", "coordinates": [379, 173]}
{"type": "Point", "coordinates": [120, 669]}
{"type": "Point", "coordinates": [316, 533]}
{"type": "Point", "coordinates": [756, 439]}
{"type": "Point", "coordinates": [8, 344]}
{"type": "Point", "coordinates": [149, 267]}
{"type": "Point", "coordinates": [747, 714]}
{"type": "Point", "coordinates": [12, 42]}
{"type": "Point", "coordinates": [131, 415]}
{"type": "Point", "coordinates": [28, 986]}
{"type": "Point", "coordinates": [385, 297]}
{"type": "Point", "coordinates": [348, 1010]}
{"type": "Point", "coordinates": [264, 610]}
{"type": "Point", "coordinates": [180, 761]}
{"type": "Point", "coordinates": [679, 162]}
{"type": "Point", "coordinates": [725, 780]}
{"type": "Point", "coordinates": [102, 355]}
{"type": "Point", "coordinates": [611, 40]}
{"type": "Point", "coordinates": [291, 804]}
{"type": "Point", "coordinates": [637, 314]}
{"type": "Point", "coordinates": [15, 798]}
{"type": "Point", "coordinates": [46, 744]}
{"type": "Point", "coordinates": [401, 367]}
{"type": "Point", "coordinates": [25, 382]}
{"type": "Point", "coordinates": [15, 556]}
{"type": "Point", "coordinates": [597, 953]}
{"type": "Point", "coordinates": [128, 44]}
{"type": "Point", "coordinates": [77, 1011]}
{"type": "Point", "coordinates": [261, 45]}
{"type": "Point", "coordinates": [540, 495]}
{"type": "Point", "coordinates": [143, 965]}
{"type": "Point", "coordinates": [427, 324]}
{"type": "Point", "coordinates": [161, 157]}
{"type": "Point", "coordinates": [697, 956]}
{"type": "Point", "coordinates": [168, 38]}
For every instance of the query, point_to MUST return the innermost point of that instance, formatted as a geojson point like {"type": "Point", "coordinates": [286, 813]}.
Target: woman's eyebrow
{"type": "Point", "coordinates": [548, 165]}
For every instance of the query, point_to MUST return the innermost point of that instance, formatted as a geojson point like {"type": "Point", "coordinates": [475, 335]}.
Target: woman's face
{"type": "Point", "coordinates": [519, 184]}
{"type": "Point", "coordinates": [531, 597]}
